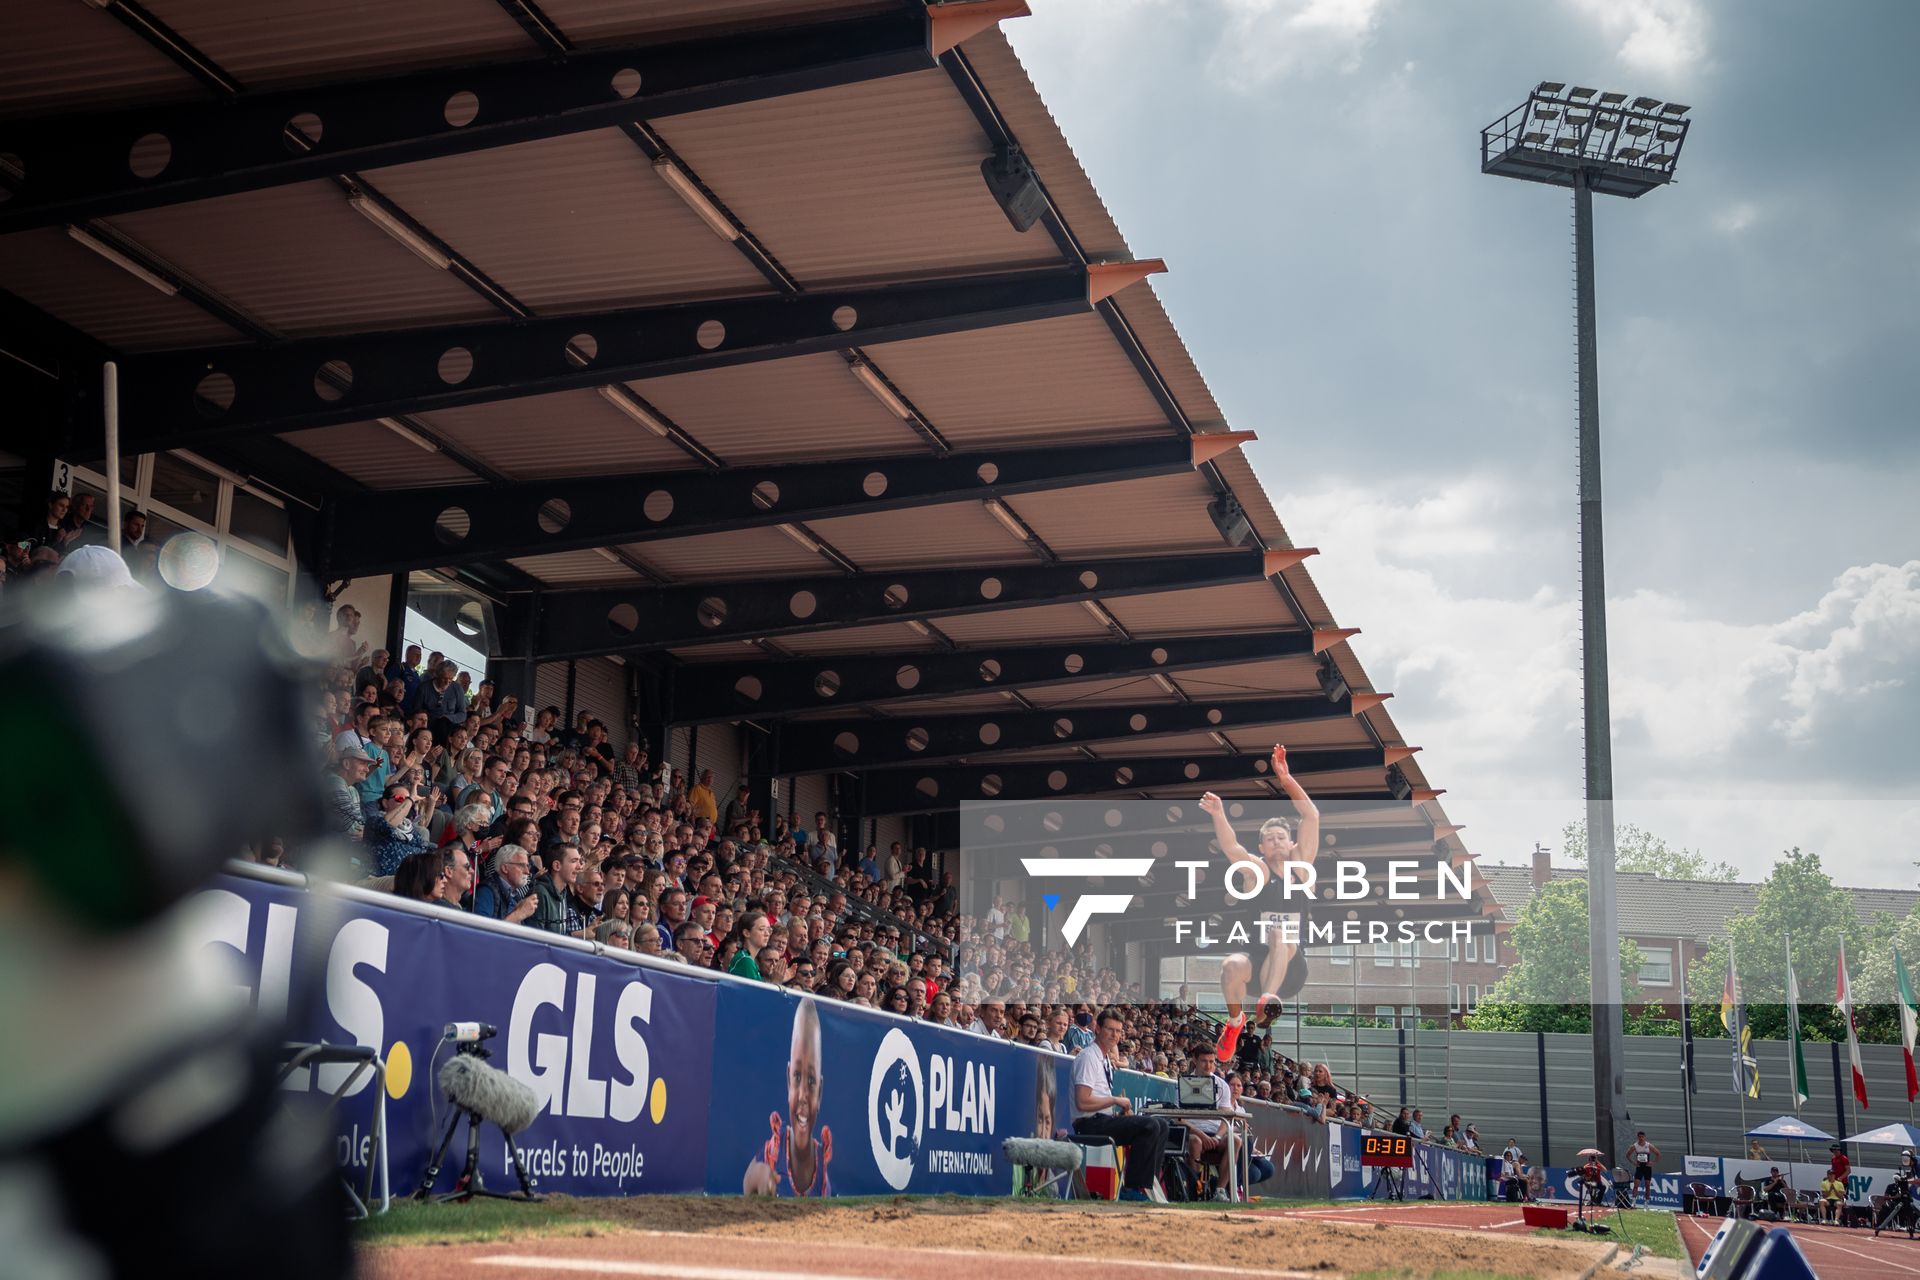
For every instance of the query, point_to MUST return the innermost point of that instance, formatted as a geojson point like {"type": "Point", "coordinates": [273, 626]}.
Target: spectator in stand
{"type": "Point", "coordinates": [409, 673]}
{"type": "Point", "coordinates": [456, 887]}
{"type": "Point", "coordinates": [420, 876]}
{"type": "Point", "coordinates": [443, 700]}
{"type": "Point", "coordinates": [692, 944]}
{"type": "Point", "coordinates": [1402, 1123]}
{"type": "Point", "coordinates": [1099, 1110]}
{"type": "Point", "coordinates": [502, 893]}
{"type": "Point", "coordinates": [74, 532]}
{"type": "Point", "coordinates": [558, 912]}
{"type": "Point", "coordinates": [1415, 1127]}
{"type": "Point", "coordinates": [700, 798]}
{"type": "Point", "coordinates": [344, 811]}
{"type": "Point", "coordinates": [738, 811]}
{"type": "Point", "coordinates": [349, 648]}
{"type": "Point", "coordinates": [391, 833]}
{"type": "Point", "coordinates": [673, 913]}
{"type": "Point", "coordinates": [633, 763]}
{"type": "Point", "coordinates": [822, 836]}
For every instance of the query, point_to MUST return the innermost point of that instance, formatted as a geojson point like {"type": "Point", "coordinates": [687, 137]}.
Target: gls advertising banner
{"type": "Point", "coordinates": [619, 1055]}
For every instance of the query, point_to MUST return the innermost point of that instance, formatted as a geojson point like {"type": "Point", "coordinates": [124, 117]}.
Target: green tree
{"type": "Point", "coordinates": [1797, 901]}
{"type": "Point", "coordinates": [1876, 1013]}
{"type": "Point", "coordinates": [1635, 849]}
{"type": "Point", "coordinates": [1549, 987]}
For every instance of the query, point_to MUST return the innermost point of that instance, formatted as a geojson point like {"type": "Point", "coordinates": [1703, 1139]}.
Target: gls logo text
{"type": "Point", "coordinates": [1092, 904]}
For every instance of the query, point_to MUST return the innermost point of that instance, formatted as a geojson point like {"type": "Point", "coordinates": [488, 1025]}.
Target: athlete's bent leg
{"type": "Point", "coordinates": [1235, 972]}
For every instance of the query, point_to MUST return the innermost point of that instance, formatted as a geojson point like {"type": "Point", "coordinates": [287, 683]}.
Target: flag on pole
{"type": "Point", "coordinates": [1843, 998]}
{"type": "Point", "coordinates": [1733, 1016]}
{"type": "Point", "coordinates": [1793, 1033]}
{"type": "Point", "coordinates": [1909, 1022]}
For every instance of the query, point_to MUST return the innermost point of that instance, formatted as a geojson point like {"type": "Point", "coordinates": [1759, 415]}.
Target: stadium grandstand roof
{"type": "Point", "coordinates": [699, 322]}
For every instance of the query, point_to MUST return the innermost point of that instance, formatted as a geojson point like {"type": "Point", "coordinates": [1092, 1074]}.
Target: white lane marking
{"type": "Point", "coordinates": [1884, 1262]}
{"type": "Point", "coordinates": [680, 1270]}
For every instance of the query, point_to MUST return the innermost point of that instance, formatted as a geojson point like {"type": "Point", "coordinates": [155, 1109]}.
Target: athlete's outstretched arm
{"type": "Point", "coordinates": [1307, 839]}
{"type": "Point", "coordinates": [1212, 805]}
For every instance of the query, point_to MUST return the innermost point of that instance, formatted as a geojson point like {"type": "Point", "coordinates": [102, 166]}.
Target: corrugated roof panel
{"type": "Point", "coordinates": [300, 260]}
{"type": "Point", "coordinates": [577, 569]}
{"type": "Point", "coordinates": [733, 556]}
{"type": "Point", "coordinates": [731, 651]}
{"type": "Point", "coordinates": [1013, 92]}
{"type": "Point", "coordinates": [1161, 516]}
{"type": "Point", "coordinates": [859, 182]}
{"type": "Point", "coordinates": [1140, 690]}
{"type": "Point", "coordinates": [959, 704]}
{"type": "Point", "coordinates": [570, 223]}
{"type": "Point", "coordinates": [1274, 677]}
{"type": "Point", "coordinates": [615, 21]}
{"type": "Point", "coordinates": [1140, 307]}
{"type": "Point", "coordinates": [884, 637]}
{"type": "Point", "coordinates": [1040, 624]}
{"type": "Point", "coordinates": [1021, 383]}
{"type": "Point", "coordinates": [59, 55]}
{"type": "Point", "coordinates": [807, 407]}
{"type": "Point", "coordinates": [1315, 734]}
{"type": "Point", "coordinates": [954, 533]}
{"type": "Point", "coordinates": [570, 433]}
{"type": "Point", "coordinates": [294, 41]}
{"type": "Point", "coordinates": [1204, 611]}
{"type": "Point", "coordinates": [376, 457]}
{"type": "Point", "coordinates": [52, 271]}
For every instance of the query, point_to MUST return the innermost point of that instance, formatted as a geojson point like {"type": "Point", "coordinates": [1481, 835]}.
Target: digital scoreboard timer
{"type": "Point", "coordinates": [1386, 1151]}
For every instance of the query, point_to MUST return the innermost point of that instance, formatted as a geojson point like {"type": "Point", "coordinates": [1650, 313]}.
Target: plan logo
{"type": "Point", "coordinates": [1089, 905]}
{"type": "Point", "coordinates": [895, 1119]}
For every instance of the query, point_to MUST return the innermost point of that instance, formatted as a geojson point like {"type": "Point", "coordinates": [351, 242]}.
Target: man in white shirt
{"type": "Point", "coordinates": [1206, 1144]}
{"type": "Point", "coordinates": [1098, 1110]}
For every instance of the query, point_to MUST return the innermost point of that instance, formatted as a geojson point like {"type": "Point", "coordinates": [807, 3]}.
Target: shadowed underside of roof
{"type": "Point", "coordinates": [722, 299]}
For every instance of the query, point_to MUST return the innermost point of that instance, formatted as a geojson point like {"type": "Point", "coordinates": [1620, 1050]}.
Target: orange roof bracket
{"type": "Point", "coordinates": [1208, 447]}
{"type": "Point", "coordinates": [1363, 702]}
{"type": "Point", "coordinates": [1325, 640]}
{"type": "Point", "coordinates": [1286, 558]}
{"type": "Point", "coordinates": [1104, 279]}
{"type": "Point", "coordinates": [1422, 795]}
{"type": "Point", "coordinates": [1394, 755]}
{"type": "Point", "coordinates": [950, 24]}
{"type": "Point", "coordinates": [1445, 829]}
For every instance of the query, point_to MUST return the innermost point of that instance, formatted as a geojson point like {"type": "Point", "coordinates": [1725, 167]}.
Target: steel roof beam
{"type": "Point", "coordinates": [78, 166]}
{"type": "Point", "coordinates": [779, 690]}
{"type": "Point", "coordinates": [892, 791]}
{"type": "Point", "coordinates": [403, 529]}
{"type": "Point", "coordinates": [577, 624]}
{"type": "Point", "coordinates": [187, 397]}
{"type": "Point", "coordinates": [818, 746]}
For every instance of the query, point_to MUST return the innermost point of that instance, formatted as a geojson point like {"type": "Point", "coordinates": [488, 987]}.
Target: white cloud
{"type": "Point", "coordinates": [1734, 220]}
{"type": "Point", "coordinates": [1736, 738]}
{"type": "Point", "coordinates": [1266, 40]}
{"type": "Point", "coordinates": [1660, 37]}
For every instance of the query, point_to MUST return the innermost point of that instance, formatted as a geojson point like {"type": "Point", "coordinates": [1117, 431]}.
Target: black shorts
{"type": "Point", "coordinates": [1295, 976]}
{"type": "Point", "coordinates": [1643, 1173]}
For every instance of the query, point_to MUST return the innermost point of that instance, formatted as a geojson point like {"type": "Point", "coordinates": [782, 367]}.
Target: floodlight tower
{"type": "Point", "coordinates": [1592, 141]}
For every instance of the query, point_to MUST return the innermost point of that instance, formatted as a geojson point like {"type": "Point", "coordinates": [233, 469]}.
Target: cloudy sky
{"type": "Point", "coordinates": [1397, 327]}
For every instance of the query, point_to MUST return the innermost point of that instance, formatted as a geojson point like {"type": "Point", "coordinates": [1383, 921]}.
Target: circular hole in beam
{"type": "Point", "coordinates": [847, 741]}
{"type": "Point", "coordinates": [710, 334]}
{"type": "Point", "coordinates": [1057, 780]}
{"type": "Point", "coordinates": [456, 363]}
{"type": "Point", "coordinates": [927, 787]}
{"type": "Point", "coordinates": [213, 394]}
{"type": "Point", "coordinates": [908, 676]}
{"type": "Point", "coordinates": [803, 604]}
{"type": "Point", "coordinates": [625, 82]}
{"type": "Point", "coordinates": [990, 785]}
{"type": "Point", "coordinates": [766, 495]}
{"type": "Point", "coordinates": [581, 349]}
{"type": "Point", "coordinates": [990, 588]}
{"type": "Point", "coordinates": [658, 505]}
{"type": "Point", "coordinates": [1063, 728]}
{"type": "Point", "coordinates": [844, 318]}
{"type": "Point", "coordinates": [332, 380]}
{"type": "Point", "coordinates": [462, 108]}
{"type": "Point", "coordinates": [452, 526]}
{"type": "Point", "coordinates": [150, 155]}
{"type": "Point", "coordinates": [302, 133]}
{"type": "Point", "coordinates": [917, 739]}
{"type": "Point", "coordinates": [826, 684]}
{"type": "Point", "coordinates": [874, 484]}
{"type": "Point", "coordinates": [1073, 663]}
{"type": "Point", "coordinates": [895, 596]}
{"type": "Point", "coordinates": [989, 734]}
{"type": "Point", "coordinates": [555, 515]}
{"type": "Point", "coordinates": [623, 619]}
{"type": "Point", "coordinates": [712, 612]}
{"type": "Point", "coordinates": [990, 670]}
{"type": "Point", "coordinates": [749, 687]}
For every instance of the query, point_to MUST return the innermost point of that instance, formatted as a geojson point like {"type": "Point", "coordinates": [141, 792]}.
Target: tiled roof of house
{"type": "Point", "coordinates": [1696, 909]}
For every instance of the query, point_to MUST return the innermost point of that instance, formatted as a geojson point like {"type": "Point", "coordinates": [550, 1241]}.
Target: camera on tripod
{"type": "Point", "coordinates": [465, 1037]}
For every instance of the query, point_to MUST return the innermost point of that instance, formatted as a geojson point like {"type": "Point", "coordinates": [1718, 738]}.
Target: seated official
{"type": "Point", "coordinates": [1207, 1139]}
{"type": "Point", "coordinates": [1774, 1194]}
{"type": "Point", "coordinates": [1099, 1111]}
{"type": "Point", "coordinates": [1833, 1194]}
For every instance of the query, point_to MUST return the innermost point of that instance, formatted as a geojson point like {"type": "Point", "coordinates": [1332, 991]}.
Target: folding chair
{"type": "Point", "coordinates": [364, 1060]}
{"type": "Point", "coordinates": [1743, 1202]}
{"type": "Point", "coordinates": [1705, 1199]}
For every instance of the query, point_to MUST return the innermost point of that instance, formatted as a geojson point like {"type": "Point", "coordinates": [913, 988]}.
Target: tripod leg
{"type": "Point", "coordinates": [433, 1167]}
{"type": "Point", "coordinates": [470, 1176]}
{"type": "Point", "coordinates": [520, 1169]}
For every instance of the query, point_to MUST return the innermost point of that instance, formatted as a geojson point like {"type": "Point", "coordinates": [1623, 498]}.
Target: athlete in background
{"type": "Point", "coordinates": [1283, 967]}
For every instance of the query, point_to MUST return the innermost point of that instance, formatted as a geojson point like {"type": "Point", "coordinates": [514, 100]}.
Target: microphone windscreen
{"type": "Point", "coordinates": [492, 1095]}
{"type": "Point", "coordinates": [1041, 1153]}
